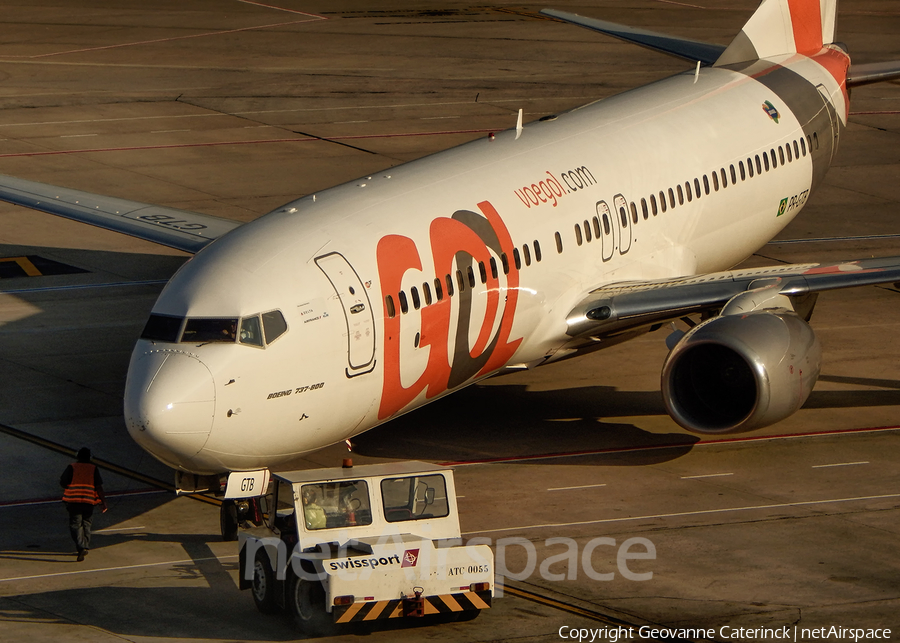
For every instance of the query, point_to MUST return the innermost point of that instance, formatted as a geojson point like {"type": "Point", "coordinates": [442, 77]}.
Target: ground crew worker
{"type": "Point", "coordinates": [83, 491]}
{"type": "Point", "coordinates": [313, 513]}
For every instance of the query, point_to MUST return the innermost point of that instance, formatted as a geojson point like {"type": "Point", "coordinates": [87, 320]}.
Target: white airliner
{"type": "Point", "coordinates": [346, 308]}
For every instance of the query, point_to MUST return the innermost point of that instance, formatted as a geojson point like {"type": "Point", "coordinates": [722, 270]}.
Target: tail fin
{"type": "Point", "coordinates": [783, 27]}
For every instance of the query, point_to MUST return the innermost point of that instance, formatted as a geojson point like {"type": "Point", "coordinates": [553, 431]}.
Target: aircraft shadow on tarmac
{"type": "Point", "coordinates": [508, 421]}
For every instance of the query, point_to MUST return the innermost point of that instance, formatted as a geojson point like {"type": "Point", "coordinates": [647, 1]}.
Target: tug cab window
{"type": "Point", "coordinates": [414, 498]}
{"type": "Point", "coordinates": [331, 505]}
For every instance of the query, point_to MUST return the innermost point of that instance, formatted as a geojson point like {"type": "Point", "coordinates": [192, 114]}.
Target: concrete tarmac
{"type": "Point", "coordinates": [234, 108]}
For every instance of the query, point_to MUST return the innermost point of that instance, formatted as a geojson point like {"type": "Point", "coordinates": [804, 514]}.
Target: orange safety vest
{"type": "Point", "coordinates": [82, 489]}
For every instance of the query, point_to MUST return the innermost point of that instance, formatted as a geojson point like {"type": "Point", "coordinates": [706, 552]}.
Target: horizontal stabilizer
{"type": "Point", "coordinates": [692, 50]}
{"type": "Point", "coordinates": [181, 229]}
{"type": "Point", "coordinates": [873, 73]}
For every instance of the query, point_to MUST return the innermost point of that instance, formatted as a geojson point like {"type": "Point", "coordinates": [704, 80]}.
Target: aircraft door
{"type": "Point", "coordinates": [608, 229]}
{"type": "Point", "coordinates": [357, 309]}
{"type": "Point", "coordinates": [832, 117]}
{"type": "Point", "coordinates": [621, 215]}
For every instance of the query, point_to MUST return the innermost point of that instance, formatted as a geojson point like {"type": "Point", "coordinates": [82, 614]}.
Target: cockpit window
{"type": "Point", "coordinates": [162, 328]}
{"type": "Point", "coordinates": [250, 332]}
{"type": "Point", "coordinates": [210, 330]}
{"type": "Point", "coordinates": [273, 325]}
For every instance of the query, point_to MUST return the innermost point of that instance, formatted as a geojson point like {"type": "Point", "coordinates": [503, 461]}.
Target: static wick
{"type": "Point", "coordinates": [519, 125]}
{"type": "Point", "coordinates": [697, 73]}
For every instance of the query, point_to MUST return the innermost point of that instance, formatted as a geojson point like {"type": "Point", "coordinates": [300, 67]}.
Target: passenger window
{"type": "Point", "coordinates": [687, 188]}
{"type": "Point", "coordinates": [750, 167]}
{"type": "Point", "coordinates": [471, 275]}
{"type": "Point", "coordinates": [426, 292]}
{"type": "Point", "coordinates": [623, 217]}
{"type": "Point", "coordinates": [596, 223]}
{"type": "Point", "coordinates": [607, 229]}
{"type": "Point", "coordinates": [815, 140]}
{"type": "Point", "coordinates": [537, 250]}
{"type": "Point", "coordinates": [517, 259]}
{"type": "Point", "coordinates": [415, 297]}
{"type": "Point", "coordinates": [662, 201]}
{"type": "Point", "coordinates": [781, 154]}
{"type": "Point", "coordinates": [758, 165]}
{"type": "Point", "coordinates": [803, 145]}
{"type": "Point", "coordinates": [680, 195]}
{"type": "Point", "coordinates": [250, 331]}
{"type": "Point", "coordinates": [796, 150]}
{"type": "Point", "coordinates": [438, 291]}
{"type": "Point", "coordinates": [733, 175]}
{"type": "Point", "coordinates": [389, 306]}
{"type": "Point", "coordinates": [404, 305]}
{"type": "Point", "coordinates": [482, 271]}
{"type": "Point", "coordinates": [697, 188]}
{"type": "Point", "coordinates": [504, 260]}
{"type": "Point", "coordinates": [724, 178]}
{"type": "Point", "coordinates": [743, 173]}
{"type": "Point", "coordinates": [634, 215]}
{"type": "Point", "coordinates": [449, 281]}
{"type": "Point", "coordinates": [715, 178]}
{"type": "Point", "coordinates": [653, 204]}
{"type": "Point", "coordinates": [162, 328]}
{"type": "Point", "coordinates": [643, 210]}
{"type": "Point", "coordinates": [274, 325]}
{"type": "Point", "coordinates": [578, 238]}
{"type": "Point", "coordinates": [774, 159]}
{"type": "Point", "coordinates": [787, 149]}
{"type": "Point", "coordinates": [459, 281]}
{"type": "Point", "coordinates": [705, 184]}
{"type": "Point", "coordinates": [527, 254]}
{"type": "Point", "coordinates": [671, 198]}
{"type": "Point", "coordinates": [210, 330]}
{"type": "Point", "coordinates": [415, 498]}
{"type": "Point", "coordinates": [587, 232]}
{"type": "Point", "coordinates": [559, 246]}
{"type": "Point", "coordinates": [493, 268]}
{"type": "Point", "coordinates": [765, 161]}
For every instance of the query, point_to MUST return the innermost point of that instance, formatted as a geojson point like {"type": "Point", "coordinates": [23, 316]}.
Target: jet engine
{"type": "Point", "coordinates": [739, 372]}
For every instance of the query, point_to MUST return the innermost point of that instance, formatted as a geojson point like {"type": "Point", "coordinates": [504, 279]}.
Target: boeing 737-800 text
{"type": "Point", "coordinates": [346, 308]}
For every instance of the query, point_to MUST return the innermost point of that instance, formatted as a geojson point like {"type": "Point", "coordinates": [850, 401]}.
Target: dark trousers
{"type": "Point", "coordinates": [80, 524]}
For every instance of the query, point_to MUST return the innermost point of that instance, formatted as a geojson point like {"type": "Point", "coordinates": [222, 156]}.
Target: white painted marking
{"type": "Point", "coordinates": [115, 569]}
{"type": "Point", "coordinates": [838, 464]}
{"type": "Point", "coordinates": [781, 505]}
{"type": "Point", "coordinates": [707, 475]}
{"type": "Point", "coordinates": [584, 486]}
{"type": "Point", "coordinates": [109, 531]}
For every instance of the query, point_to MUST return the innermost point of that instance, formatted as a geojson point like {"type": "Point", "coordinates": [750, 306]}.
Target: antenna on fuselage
{"type": "Point", "coordinates": [519, 125]}
{"type": "Point", "coordinates": [697, 73]}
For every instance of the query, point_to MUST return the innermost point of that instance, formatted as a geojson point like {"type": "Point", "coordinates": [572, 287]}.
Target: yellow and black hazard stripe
{"type": "Point", "coordinates": [440, 604]}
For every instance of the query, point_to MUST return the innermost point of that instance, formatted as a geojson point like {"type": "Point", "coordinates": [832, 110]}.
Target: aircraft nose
{"type": "Point", "coordinates": [170, 402]}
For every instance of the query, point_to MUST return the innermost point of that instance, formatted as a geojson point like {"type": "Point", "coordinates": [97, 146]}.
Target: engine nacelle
{"type": "Point", "coordinates": [736, 373]}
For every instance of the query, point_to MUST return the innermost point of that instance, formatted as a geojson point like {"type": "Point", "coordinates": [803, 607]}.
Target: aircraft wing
{"type": "Point", "coordinates": [181, 229]}
{"type": "Point", "coordinates": [692, 50]}
{"type": "Point", "coordinates": [616, 308]}
{"type": "Point", "coordinates": [872, 73]}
